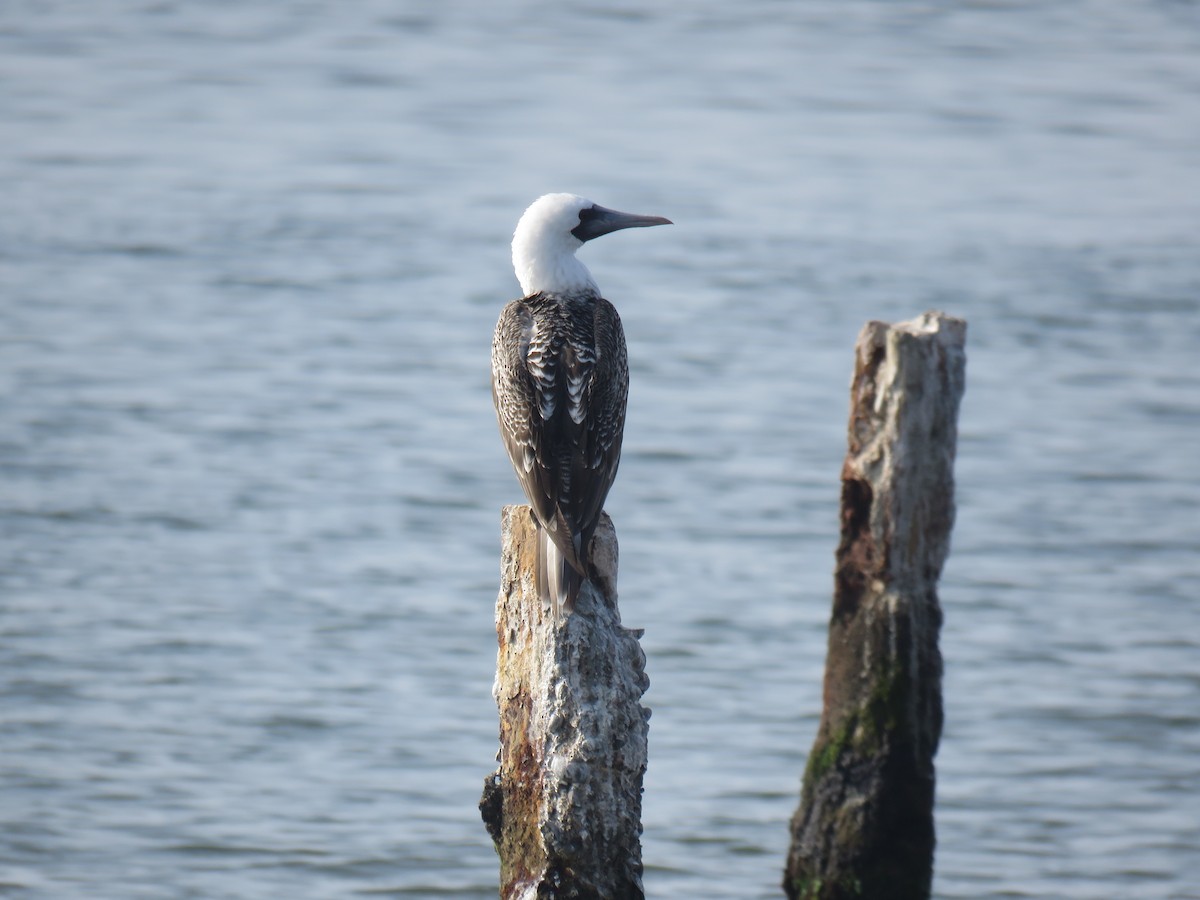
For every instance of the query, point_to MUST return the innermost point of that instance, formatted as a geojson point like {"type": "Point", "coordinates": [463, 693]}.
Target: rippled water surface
{"type": "Point", "coordinates": [250, 258]}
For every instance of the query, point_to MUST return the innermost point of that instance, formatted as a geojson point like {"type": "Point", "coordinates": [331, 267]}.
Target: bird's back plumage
{"type": "Point", "coordinates": [560, 383]}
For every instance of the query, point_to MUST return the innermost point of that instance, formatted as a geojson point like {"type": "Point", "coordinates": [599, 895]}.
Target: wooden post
{"type": "Point", "coordinates": [864, 827]}
{"type": "Point", "coordinates": [564, 807]}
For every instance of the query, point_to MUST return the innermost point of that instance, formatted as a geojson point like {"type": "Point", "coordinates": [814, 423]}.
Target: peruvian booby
{"type": "Point", "coordinates": [560, 380]}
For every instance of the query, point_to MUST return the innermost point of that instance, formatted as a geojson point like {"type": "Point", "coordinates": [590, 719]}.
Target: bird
{"type": "Point", "coordinates": [560, 383]}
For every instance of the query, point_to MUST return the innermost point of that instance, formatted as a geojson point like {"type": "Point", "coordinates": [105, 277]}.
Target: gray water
{"type": "Point", "coordinates": [250, 258]}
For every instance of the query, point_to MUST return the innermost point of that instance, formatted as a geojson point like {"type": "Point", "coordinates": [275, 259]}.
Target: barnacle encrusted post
{"type": "Point", "coordinates": [564, 806]}
{"type": "Point", "coordinates": [864, 827]}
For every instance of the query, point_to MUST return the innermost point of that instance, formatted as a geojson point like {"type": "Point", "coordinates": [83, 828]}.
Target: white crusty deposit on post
{"type": "Point", "coordinates": [911, 437]}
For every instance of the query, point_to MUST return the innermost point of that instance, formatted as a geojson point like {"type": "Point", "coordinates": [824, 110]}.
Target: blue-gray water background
{"type": "Point", "coordinates": [250, 258]}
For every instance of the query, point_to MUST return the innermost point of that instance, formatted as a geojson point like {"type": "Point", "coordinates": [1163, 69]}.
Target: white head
{"type": "Point", "coordinates": [549, 233]}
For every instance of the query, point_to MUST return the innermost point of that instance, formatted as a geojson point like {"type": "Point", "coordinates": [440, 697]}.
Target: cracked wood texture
{"type": "Point", "coordinates": [864, 826]}
{"type": "Point", "coordinates": [564, 806]}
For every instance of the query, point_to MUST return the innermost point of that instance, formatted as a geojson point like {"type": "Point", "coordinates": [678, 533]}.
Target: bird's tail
{"type": "Point", "coordinates": [558, 582]}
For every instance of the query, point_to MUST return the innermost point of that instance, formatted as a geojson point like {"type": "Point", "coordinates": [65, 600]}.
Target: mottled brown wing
{"type": "Point", "coordinates": [599, 440]}
{"type": "Point", "coordinates": [518, 412]}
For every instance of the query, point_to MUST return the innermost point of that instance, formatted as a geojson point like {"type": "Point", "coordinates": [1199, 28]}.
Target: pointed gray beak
{"type": "Point", "coordinates": [596, 220]}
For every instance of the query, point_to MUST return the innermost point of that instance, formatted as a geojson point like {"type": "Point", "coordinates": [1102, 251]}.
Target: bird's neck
{"type": "Point", "coordinates": [560, 272]}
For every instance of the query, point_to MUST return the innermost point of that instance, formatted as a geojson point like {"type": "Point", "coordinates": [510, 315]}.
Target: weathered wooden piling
{"type": "Point", "coordinates": [564, 805]}
{"type": "Point", "coordinates": [864, 826]}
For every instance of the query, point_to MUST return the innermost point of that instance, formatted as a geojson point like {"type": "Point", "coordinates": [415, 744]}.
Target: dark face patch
{"type": "Point", "coordinates": [589, 220]}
